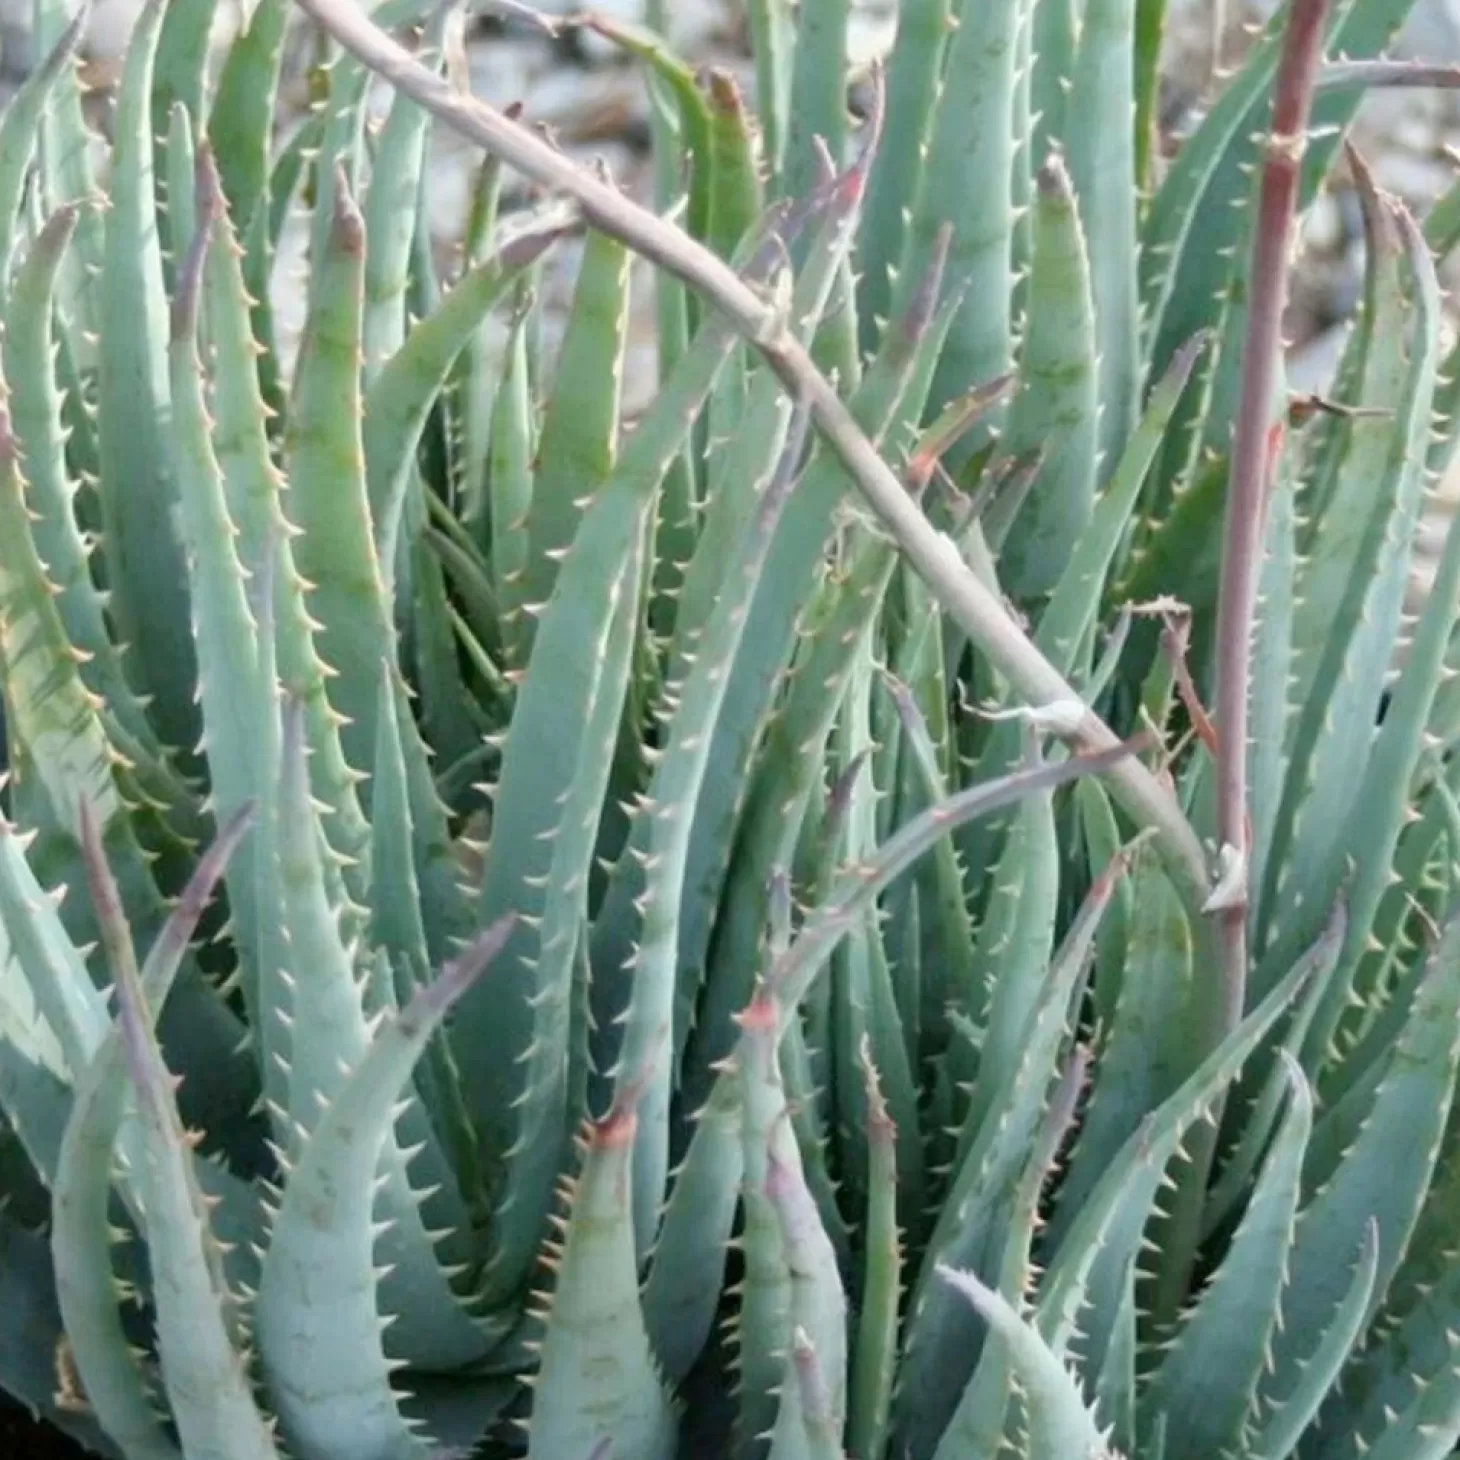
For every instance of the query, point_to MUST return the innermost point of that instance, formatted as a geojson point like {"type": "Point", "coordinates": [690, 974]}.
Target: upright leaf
{"type": "Point", "coordinates": [148, 573]}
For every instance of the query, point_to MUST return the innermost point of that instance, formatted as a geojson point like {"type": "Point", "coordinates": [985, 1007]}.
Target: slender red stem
{"type": "Point", "coordinates": [1257, 441]}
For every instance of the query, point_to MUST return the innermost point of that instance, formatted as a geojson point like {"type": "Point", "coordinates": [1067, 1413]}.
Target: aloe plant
{"type": "Point", "coordinates": [739, 934]}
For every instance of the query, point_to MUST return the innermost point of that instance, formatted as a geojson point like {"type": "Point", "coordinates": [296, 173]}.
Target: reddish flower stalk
{"type": "Point", "coordinates": [1255, 448]}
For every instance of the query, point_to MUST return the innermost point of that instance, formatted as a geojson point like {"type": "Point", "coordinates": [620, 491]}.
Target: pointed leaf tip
{"type": "Point", "coordinates": [347, 226]}
{"type": "Point", "coordinates": [188, 291]}
{"type": "Point", "coordinates": [1054, 178]}
{"type": "Point", "coordinates": [177, 933]}
{"type": "Point", "coordinates": [967, 1283]}
{"type": "Point", "coordinates": [459, 975]}
{"type": "Point", "coordinates": [56, 234]}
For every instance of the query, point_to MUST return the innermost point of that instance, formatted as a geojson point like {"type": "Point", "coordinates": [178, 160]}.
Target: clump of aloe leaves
{"type": "Point", "coordinates": [899, 904]}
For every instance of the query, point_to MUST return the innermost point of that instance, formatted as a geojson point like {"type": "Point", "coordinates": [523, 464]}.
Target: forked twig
{"type": "Point", "coordinates": [762, 323]}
